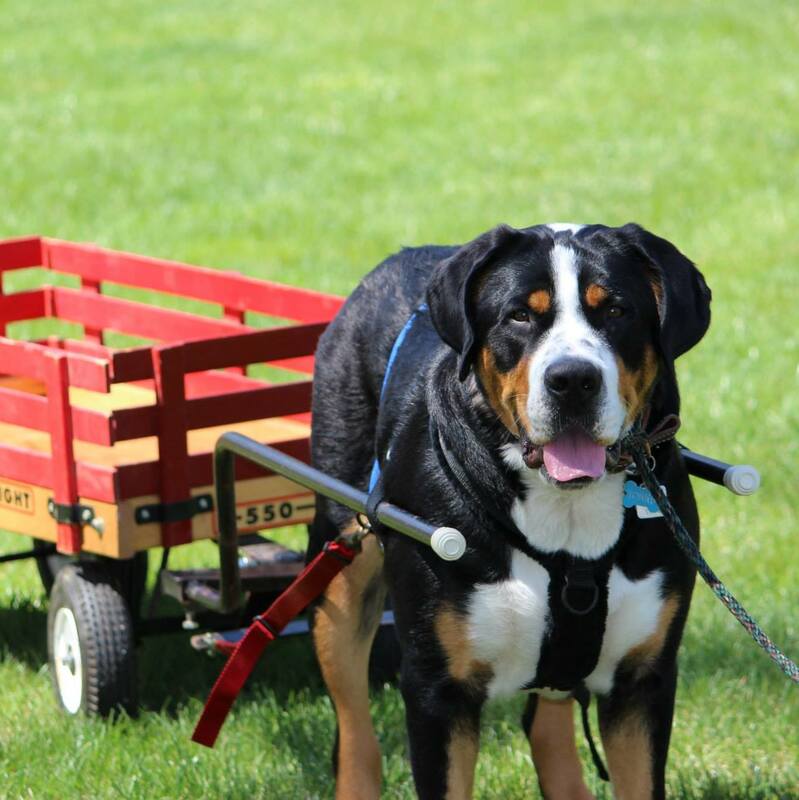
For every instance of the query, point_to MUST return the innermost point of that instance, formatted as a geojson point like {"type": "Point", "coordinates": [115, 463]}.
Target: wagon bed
{"type": "Point", "coordinates": [108, 450]}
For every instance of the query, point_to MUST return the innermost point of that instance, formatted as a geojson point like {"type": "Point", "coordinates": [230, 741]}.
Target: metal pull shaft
{"type": "Point", "coordinates": [447, 543]}
{"type": "Point", "coordinates": [742, 479]}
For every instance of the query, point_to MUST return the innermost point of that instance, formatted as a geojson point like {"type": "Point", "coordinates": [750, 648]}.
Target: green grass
{"type": "Point", "coordinates": [303, 142]}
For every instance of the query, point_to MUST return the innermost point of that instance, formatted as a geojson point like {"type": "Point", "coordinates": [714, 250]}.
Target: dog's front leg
{"type": "Point", "coordinates": [443, 721]}
{"type": "Point", "coordinates": [635, 722]}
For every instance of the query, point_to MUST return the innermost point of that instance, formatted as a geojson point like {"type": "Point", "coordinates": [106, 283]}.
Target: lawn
{"type": "Point", "coordinates": [303, 142]}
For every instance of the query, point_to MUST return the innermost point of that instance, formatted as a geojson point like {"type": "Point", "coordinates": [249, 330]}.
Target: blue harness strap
{"type": "Point", "coordinates": [375, 476]}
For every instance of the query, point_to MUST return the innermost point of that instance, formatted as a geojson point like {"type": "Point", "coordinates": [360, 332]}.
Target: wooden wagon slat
{"type": "Point", "coordinates": [31, 411]}
{"type": "Point", "coordinates": [126, 365]}
{"type": "Point", "coordinates": [23, 305]}
{"type": "Point", "coordinates": [20, 253]}
{"type": "Point", "coordinates": [88, 373]}
{"type": "Point", "coordinates": [232, 290]}
{"type": "Point", "coordinates": [128, 316]}
{"type": "Point", "coordinates": [227, 408]}
{"type": "Point", "coordinates": [224, 409]}
{"type": "Point", "coordinates": [26, 466]}
{"type": "Point", "coordinates": [29, 360]}
{"type": "Point", "coordinates": [290, 347]}
{"type": "Point", "coordinates": [253, 347]}
{"type": "Point", "coordinates": [133, 364]}
{"type": "Point", "coordinates": [65, 482]}
{"type": "Point", "coordinates": [201, 384]}
{"type": "Point", "coordinates": [168, 369]}
{"type": "Point", "coordinates": [21, 358]}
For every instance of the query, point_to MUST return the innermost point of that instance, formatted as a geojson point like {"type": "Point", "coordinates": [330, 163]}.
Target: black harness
{"type": "Point", "coordinates": [578, 592]}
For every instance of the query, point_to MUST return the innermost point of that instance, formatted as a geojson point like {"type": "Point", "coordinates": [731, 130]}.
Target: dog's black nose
{"type": "Point", "coordinates": [573, 381]}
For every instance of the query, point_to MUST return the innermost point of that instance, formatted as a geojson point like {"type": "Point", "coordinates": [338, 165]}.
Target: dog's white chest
{"type": "Point", "coordinates": [509, 620]}
{"type": "Point", "coordinates": [507, 624]}
{"type": "Point", "coordinates": [585, 523]}
{"type": "Point", "coordinates": [633, 612]}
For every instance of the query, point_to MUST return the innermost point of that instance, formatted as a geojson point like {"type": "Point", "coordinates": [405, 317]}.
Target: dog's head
{"type": "Point", "coordinates": [568, 330]}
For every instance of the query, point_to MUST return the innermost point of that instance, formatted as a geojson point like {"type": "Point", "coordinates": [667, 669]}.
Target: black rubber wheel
{"type": "Point", "coordinates": [90, 642]}
{"type": "Point", "coordinates": [129, 575]}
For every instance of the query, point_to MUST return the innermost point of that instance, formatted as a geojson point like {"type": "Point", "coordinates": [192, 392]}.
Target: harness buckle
{"type": "Point", "coordinates": [581, 579]}
{"type": "Point", "coordinates": [261, 620]}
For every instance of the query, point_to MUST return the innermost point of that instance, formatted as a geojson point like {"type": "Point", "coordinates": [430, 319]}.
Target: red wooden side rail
{"type": "Point", "coordinates": [237, 293]}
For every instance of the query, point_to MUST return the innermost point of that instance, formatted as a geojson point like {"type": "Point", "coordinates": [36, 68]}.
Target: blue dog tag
{"type": "Point", "coordinates": [641, 498]}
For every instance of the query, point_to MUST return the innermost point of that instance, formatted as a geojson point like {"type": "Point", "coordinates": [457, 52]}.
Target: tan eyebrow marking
{"type": "Point", "coordinates": [540, 301]}
{"type": "Point", "coordinates": [595, 294]}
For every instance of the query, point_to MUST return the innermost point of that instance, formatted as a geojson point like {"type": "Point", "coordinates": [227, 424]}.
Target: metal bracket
{"type": "Point", "coordinates": [75, 514]}
{"type": "Point", "coordinates": [174, 512]}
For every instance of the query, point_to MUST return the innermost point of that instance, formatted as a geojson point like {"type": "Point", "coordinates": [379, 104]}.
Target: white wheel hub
{"type": "Point", "coordinates": [67, 660]}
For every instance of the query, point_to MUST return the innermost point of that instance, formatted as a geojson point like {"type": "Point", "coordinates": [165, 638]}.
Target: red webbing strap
{"type": "Point", "coordinates": [307, 586]}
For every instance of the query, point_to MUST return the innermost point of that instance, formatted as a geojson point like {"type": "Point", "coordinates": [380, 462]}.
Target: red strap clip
{"type": "Point", "coordinates": [265, 628]}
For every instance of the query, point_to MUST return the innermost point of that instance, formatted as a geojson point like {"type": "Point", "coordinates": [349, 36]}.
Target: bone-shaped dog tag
{"type": "Point", "coordinates": [641, 498]}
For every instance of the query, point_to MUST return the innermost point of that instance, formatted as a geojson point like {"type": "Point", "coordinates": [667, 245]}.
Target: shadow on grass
{"type": "Point", "coordinates": [170, 671]}
{"type": "Point", "coordinates": [23, 633]}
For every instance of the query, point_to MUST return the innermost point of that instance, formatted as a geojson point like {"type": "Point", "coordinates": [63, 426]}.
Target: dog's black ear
{"type": "Point", "coordinates": [450, 288]}
{"type": "Point", "coordinates": [683, 297]}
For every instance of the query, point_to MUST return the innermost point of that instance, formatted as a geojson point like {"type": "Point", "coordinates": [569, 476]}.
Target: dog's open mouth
{"type": "Point", "coordinates": [572, 459]}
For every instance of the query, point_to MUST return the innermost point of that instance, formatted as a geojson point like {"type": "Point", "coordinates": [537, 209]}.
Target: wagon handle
{"type": "Point", "coordinates": [446, 543]}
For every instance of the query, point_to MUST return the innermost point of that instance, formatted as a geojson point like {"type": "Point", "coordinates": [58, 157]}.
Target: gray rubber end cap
{"type": "Point", "coordinates": [742, 479]}
{"type": "Point", "coordinates": [448, 543]}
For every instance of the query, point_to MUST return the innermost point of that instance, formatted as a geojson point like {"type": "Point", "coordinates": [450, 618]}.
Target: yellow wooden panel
{"type": "Point", "coordinates": [23, 509]}
{"type": "Point", "coordinates": [268, 502]}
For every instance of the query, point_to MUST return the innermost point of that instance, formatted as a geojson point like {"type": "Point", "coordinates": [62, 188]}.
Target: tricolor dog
{"type": "Point", "coordinates": [529, 354]}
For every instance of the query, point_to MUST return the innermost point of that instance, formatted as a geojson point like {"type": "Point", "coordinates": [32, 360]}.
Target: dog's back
{"type": "Point", "coordinates": [350, 364]}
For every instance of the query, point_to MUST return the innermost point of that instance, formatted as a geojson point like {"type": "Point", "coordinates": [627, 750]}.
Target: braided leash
{"type": "Point", "coordinates": [637, 444]}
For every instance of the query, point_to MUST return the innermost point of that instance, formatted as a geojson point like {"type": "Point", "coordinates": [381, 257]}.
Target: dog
{"type": "Point", "coordinates": [529, 355]}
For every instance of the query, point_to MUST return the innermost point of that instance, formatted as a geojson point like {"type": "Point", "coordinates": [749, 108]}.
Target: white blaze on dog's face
{"type": "Point", "coordinates": [572, 339]}
{"type": "Point", "coordinates": [567, 330]}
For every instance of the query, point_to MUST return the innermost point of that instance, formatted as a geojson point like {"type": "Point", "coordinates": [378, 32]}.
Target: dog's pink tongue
{"type": "Point", "coordinates": [574, 455]}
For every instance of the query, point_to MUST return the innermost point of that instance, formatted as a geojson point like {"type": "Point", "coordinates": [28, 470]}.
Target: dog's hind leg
{"type": "Point", "coordinates": [344, 626]}
{"type": "Point", "coordinates": [549, 725]}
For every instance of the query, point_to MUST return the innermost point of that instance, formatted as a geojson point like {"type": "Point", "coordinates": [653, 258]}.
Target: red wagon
{"type": "Point", "coordinates": [106, 440]}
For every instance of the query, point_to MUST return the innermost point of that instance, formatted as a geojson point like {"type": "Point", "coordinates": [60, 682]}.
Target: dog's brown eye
{"type": "Point", "coordinates": [615, 311]}
{"type": "Point", "coordinates": [520, 315]}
